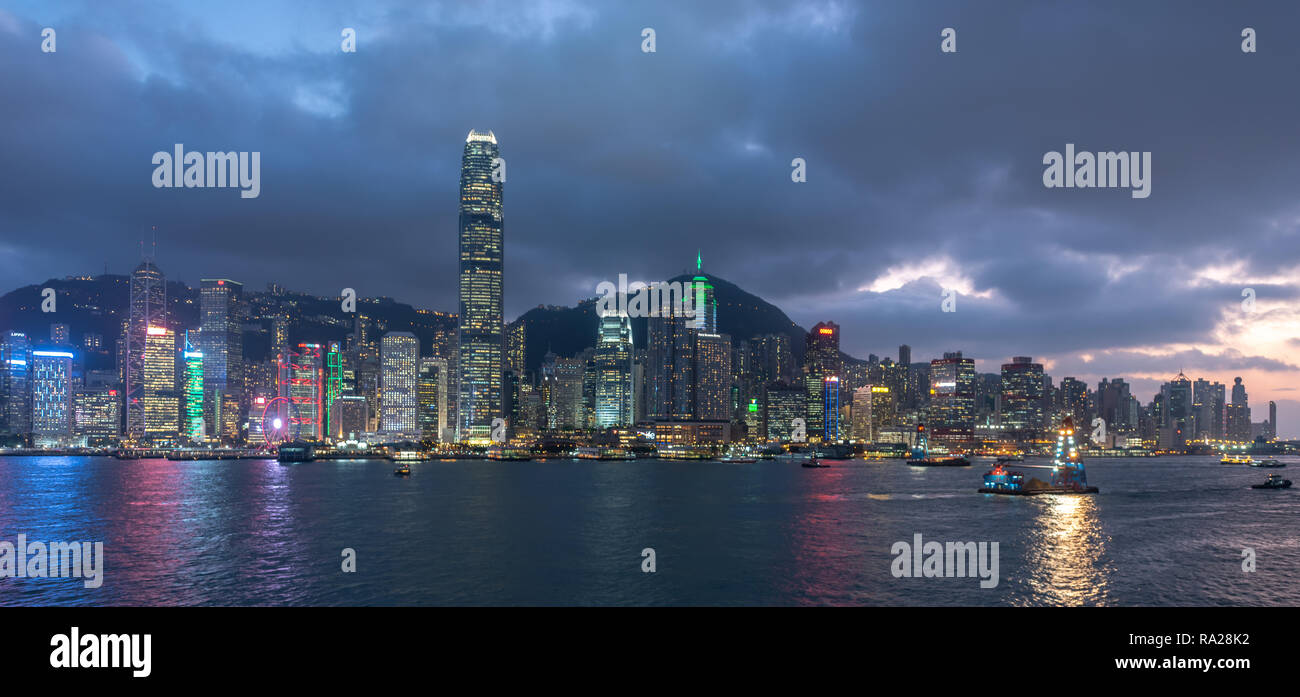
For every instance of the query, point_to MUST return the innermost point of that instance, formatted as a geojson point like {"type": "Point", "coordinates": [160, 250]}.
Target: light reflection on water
{"type": "Point", "coordinates": [1067, 562]}
{"type": "Point", "coordinates": [1167, 531]}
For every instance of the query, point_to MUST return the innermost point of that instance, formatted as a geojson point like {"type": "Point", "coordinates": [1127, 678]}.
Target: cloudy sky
{"type": "Point", "coordinates": [924, 169]}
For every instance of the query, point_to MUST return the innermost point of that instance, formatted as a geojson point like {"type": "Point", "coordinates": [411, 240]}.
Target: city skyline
{"type": "Point", "coordinates": [1090, 284]}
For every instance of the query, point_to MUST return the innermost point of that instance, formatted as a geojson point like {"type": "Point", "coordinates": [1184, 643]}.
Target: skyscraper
{"type": "Point", "coordinates": [431, 391]}
{"type": "Point", "coordinates": [159, 401]}
{"type": "Point", "coordinates": [399, 360]}
{"type": "Point", "coordinates": [1022, 398]}
{"type": "Point", "coordinates": [1237, 422]}
{"type": "Point", "coordinates": [51, 374]}
{"type": "Point", "coordinates": [821, 360]}
{"type": "Point", "coordinates": [952, 397]}
{"type": "Point", "coordinates": [300, 377]}
{"type": "Point", "coordinates": [613, 368]}
{"type": "Point", "coordinates": [482, 316]}
{"type": "Point", "coordinates": [148, 308]}
{"type": "Point", "coordinates": [15, 385]}
{"type": "Point", "coordinates": [193, 424]}
{"type": "Point", "coordinates": [1176, 413]}
{"type": "Point", "coordinates": [222, 346]}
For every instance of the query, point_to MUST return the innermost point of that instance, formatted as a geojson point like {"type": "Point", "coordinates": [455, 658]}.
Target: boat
{"type": "Point", "coordinates": [504, 454]}
{"type": "Point", "coordinates": [936, 461]}
{"type": "Point", "coordinates": [402, 470]}
{"type": "Point", "coordinates": [921, 456]}
{"type": "Point", "coordinates": [408, 456]}
{"type": "Point", "coordinates": [1267, 463]}
{"type": "Point", "coordinates": [1067, 472]}
{"type": "Point", "coordinates": [814, 462]}
{"type": "Point", "coordinates": [1274, 481]}
{"type": "Point", "coordinates": [296, 452]}
{"type": "Point", "coordinates": [589, 452]}
{"type": "Point", "coordinates": [737, 459]}
{"type": "Point", "coordinates": [1231, 459]}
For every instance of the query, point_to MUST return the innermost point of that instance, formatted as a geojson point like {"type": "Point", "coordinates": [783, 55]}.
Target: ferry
{"type": "Point", "coordinates": [1230, 459]}
{"type": "Point", "coordinates": [1274, 481]}
{"type": "Point", "coordinates": [737, 459]}
{"type": "Point", "coordinates": [602, 453]}
{"type": "Point", "coordinates": [296, 452]}
{"type": "Point", "coordinates": [935, 461]}
{"type": "Point", "coordinates": [403, 470]}
{"type": "Point", "coordinates": [503, 454]}
{"type": "Point", "coordinates": [1267, 463]}
{"type": "Point", "coordinates": [409, 456]}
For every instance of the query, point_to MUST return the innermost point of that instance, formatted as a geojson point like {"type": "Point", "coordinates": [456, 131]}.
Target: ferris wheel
{"type": "Point", "coordinates": [277, 421]}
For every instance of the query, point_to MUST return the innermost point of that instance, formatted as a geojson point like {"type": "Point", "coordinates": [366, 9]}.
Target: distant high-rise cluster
{"type": "Point", "coordinates": [225, 365]}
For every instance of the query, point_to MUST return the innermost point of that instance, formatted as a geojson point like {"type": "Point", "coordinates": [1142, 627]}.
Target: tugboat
{"type": "Point", "coordinates": [921, 456]}
{"type": "Point", "coordinates": [1067, 477]}
{"type": "Point", "coordinates": [403, 470]}
{"type": "Point", "coordinates": [1274, 481]}
{"type": "Point", "coordinates": [1230, 459]}
{"type": "Point", "coordinates": [1268, 463]}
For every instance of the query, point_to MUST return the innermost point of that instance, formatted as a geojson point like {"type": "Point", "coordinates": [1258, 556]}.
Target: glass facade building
{"type": "Point", "coordinates": [482, 313]}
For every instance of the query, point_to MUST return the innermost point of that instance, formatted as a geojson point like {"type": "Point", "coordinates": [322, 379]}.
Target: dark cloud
{"type": "Point", "coordinates": [625, 162]}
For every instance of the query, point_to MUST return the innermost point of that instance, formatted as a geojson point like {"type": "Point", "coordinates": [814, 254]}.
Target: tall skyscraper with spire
{"type": "Point", "coordinates": [148, 310]}
{"type": "Point", "coordinates": [482, 312]}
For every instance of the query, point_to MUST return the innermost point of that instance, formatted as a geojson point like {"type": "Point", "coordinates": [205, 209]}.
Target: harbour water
{"type": "Point", "coordinates": [1162, 531]}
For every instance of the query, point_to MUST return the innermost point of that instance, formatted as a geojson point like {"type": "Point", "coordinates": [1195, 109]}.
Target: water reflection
{"type": "Point", "coordinates": [1066, 561]}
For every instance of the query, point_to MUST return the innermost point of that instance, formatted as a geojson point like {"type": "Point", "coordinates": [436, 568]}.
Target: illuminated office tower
{"type": "Point", "coordinates": [349, 417]}
{"type": "Point", "coordinates": [705, 301]}
{"type": "Point", "coordinates": [432, 386]}
{"type": "Point", "coordinates": [712, 377]}
{"type": "Point", "coordinates": [861, 415]}
{"type": "Point", "coordinates": [51, 375]}
{"type": "Point", "coordinates": [96, 415]}
{"type": "Point", "coordinates": [831, 409]}
{"type": "Point", "coordinates": [952, 398]}
{"type": "Point", "coordinates": [148, 309]}
{"type": "Point", "coordinates": [1074, 401]}
{"type": "Point", "coordinates": [162, 409]}
{"type": "Point", "coordinates": [1272, 420]}
{"type": "Point", "coordinates": [562, 391]}
{"type": "Point", "coordinates": [821, 360]}
{"type": "Point", "coordinates": [1022, 399]}
{"type": "Point", "coordinates": [399, 358]}
{"type": "Point", "coordinates": [516, 344]}
{"type": "Point", "coordinates": [15, 385]}
{"type": "Point", "coordinates": [482, 241]}
{"type": "Point", "coordinates": [192, 421]}
{"type": "Point", "coordinates": [613, 372]}
{"type": "Point", "coordinates": [300, 381]}
{"type": "Point", "coordinates": [222, 347]}
{"type": "Point", "coordinates": [333, 382]}
{"type": "Point", "coordinates": [785, 403]}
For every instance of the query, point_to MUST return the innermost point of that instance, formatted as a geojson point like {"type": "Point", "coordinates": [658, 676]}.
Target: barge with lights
{"type": "Point", "coordinates": [1067, 474]}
